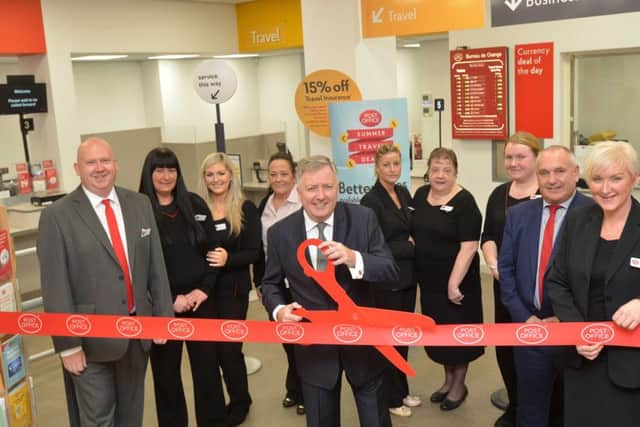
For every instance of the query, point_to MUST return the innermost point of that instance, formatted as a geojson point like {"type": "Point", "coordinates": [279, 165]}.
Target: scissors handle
{"type": "Point", "coordinates": [308, 269]}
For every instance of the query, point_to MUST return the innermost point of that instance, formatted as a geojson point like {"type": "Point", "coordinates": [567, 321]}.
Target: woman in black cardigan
{"type": "Point", "coordinates": [393, 206]}
{"type": "Point", "coordinates": [237, 228]}
{"type": "Point", "coordinates": [185, 227]}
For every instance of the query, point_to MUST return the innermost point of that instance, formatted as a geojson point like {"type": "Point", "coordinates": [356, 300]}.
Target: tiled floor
{"type": "Point", "coordinates": [267, 387]}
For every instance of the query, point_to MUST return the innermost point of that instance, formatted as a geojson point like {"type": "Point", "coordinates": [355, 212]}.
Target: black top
{"type": "Point", "coordinates": [442, 228]}
{"type": "Point", "coordinates": [396, 225]}
{"type": "Point", "coordinates": [496, 213]}
{"type": "Point", "coordinates": [243, 250]}
{"type": "Point", "coordinates": [186, 262]}
{"type": "Point", "coordinates": [604, 252]}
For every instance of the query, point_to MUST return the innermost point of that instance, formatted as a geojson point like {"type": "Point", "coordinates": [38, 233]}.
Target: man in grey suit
{"type": "Point", "coordinates": [100, 253]}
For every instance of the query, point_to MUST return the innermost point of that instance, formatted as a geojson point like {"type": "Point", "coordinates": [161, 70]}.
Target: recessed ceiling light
{"type": "Point", "coordinates": [236, 56]}
{"type": "Point", "coordinates": [177, 56]}
{"type": "Point", "coordinates": [411, 45]}
{"type": "Point", "coordinates": [98, 57]}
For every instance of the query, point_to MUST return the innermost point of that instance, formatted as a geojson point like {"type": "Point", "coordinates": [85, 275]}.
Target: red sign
{"type": "Point", "coordinates": [534, 89]}
{"type": "Point", "coordinates": [5, 255]}
{"type": "Point", "coordinates": [479, 105]}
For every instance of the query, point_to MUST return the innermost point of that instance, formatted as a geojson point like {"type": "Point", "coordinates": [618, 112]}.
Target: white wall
{"type": "Point", "coordinates": [10, 136]}
{"type": "Point", "coordinates": [118, 26]}
{"type": "Point", "coordinates": [608, 94]}
{"type": "Point", "coordinates": [278, 78]}
{"type": "Point", "coordinates": [109, 96]}
{"type": "Point", "coordinates": [421, 71]}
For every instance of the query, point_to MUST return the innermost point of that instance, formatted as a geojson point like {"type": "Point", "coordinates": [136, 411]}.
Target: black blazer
{"type": "Point", "coordinates": [357, 228]}
{"type": "Point", "coordinates": [397, 226]}
{"type": "Point", "coordinates": [243, 249]}
{"type": "Point", "coordinates": [568, 282]}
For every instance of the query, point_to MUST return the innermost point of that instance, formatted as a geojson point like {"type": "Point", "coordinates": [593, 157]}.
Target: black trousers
{"type": "Point", "coordinates": [166, 360]}
{"type": "Point", "coordinates": [504, 355]}
{"type": "Point", "coordinates": [292, 380]}
{"type": "Point", "coordinates": [231, 302]}
{"type": "Point", "coordinates": [395, 381]}
{"type": "Point", "coordinates": [322, 406]}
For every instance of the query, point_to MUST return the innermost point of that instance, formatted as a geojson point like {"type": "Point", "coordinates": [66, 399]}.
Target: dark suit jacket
{"type": "Point", "coordinates": [81, 274]}
{"type": "Point", "coordinates": [396, 225]}
{"type": "Point", "coordinates": [518, 260]}
{"type": "Point", "coordinates": [243, 249]}
{"type": "Point", "coordinates": [568, 282]}
{"type": "Point", "coordinates": [357, 228]}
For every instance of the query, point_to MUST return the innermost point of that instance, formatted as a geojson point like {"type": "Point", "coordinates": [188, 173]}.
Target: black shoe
{"type": "Point", "coordinates": [438, 396]}
{"type": "Point", "coordinates": [288, 402]}
{"type": "Point", "coordinates": [450, 405]}
{"type": "Point", "coordinates": [505, 420]}
{"type": "Point", "coordinates": [236, 418]}
{"type": "Point", "coordinates": [300, 409]}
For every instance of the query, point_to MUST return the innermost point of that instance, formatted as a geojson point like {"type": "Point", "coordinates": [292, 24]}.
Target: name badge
{"type": "Point", "coordinates": [200, 217]}
{"type": "Point", "coordinates": [634, 262]}
{"type": "Point", "coordinates": [221, 227]}
{"type": "Point", "coordinates": [446, 208]}
{"type": "Point", "coordinates": [535, 196]}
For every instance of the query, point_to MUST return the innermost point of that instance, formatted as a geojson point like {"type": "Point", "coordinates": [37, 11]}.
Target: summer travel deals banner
{"type": "Point", "coordinates": [357, 130]}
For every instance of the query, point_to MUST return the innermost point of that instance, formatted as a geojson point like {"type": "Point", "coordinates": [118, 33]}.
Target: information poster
{"type": "Point", "coordinates": [479, 91]}
{"type": "Point", "coordinates": [357, 130]}
{"type": "Point", "coordinates": [534, 88]}
{"type": "Point", "coordinates": [316, 91]}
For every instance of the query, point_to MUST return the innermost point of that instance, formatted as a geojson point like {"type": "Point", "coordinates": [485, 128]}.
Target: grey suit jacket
{"type": "Point", "coordinates": [81, 274]}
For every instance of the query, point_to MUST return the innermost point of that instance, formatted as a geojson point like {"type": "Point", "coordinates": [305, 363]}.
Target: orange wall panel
{"type": "Point", "coordinates": [21, 27]}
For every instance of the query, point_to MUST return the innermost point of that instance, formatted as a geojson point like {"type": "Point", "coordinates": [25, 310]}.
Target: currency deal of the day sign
{"type": "Point", "coordinates": [357, 130]}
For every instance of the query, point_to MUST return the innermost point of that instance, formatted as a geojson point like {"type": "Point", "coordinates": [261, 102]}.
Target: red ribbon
{"type": "Point", "coordinates": [501, 334]}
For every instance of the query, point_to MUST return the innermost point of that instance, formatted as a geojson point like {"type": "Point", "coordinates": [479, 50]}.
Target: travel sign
{"type": "Point", "coordinates": [510, 12]}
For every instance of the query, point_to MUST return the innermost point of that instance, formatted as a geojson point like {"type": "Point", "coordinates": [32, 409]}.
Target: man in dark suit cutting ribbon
{"type": "Point", "coordinates": [355, 244]}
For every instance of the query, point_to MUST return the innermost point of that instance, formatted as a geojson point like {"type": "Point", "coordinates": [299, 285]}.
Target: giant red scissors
{"type": "Point", "coordinates": [348, 311]}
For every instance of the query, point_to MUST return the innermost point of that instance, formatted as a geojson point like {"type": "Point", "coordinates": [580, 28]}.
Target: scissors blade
{"type": "Point", "coordinates": [396, 359]}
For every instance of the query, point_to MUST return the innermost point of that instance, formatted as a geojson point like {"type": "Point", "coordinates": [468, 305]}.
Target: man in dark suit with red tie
{"type": "Point", "coordinates": [100, 253]}
{"type": "Point", "coordinates": [356, 245]}
{"type": "Point", "coordinates": [525, 258]}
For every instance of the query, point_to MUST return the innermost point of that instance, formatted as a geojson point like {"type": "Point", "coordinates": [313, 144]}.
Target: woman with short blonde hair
{"type": "Point", "coordinates": [594, 278]}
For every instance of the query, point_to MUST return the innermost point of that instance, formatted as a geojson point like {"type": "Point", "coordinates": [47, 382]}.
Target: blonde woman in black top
{"type": "Point", "coordinates": [237, 230]}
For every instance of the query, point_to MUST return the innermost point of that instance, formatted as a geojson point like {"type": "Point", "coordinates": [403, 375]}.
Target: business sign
{"type": "Point", "coordinates": [382, 18]}
{"type": "Point", "coordinates": [534, 88]}
{"type": "Point", "coordinates": [479, 88]}
{"type": "Point", "coordinates": [215, 81]}
{"type": "Point", "coordinates": [265, 25]}
{"type": "Point", "coordinates": [357, 130]}
{"type": "Point", "coordinates": [510, 12]}
{"type": "Point", "coordinates": [316, 91]}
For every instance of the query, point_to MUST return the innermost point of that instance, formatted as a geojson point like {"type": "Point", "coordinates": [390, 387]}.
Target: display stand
{"type": "Point", "coordinates": [16, 403]}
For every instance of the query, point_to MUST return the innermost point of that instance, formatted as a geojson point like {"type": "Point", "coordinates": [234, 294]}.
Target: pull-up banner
{"type": "Point", "coordinates": [510, 12]}
{"type": "Point", "coordinates": [503, 334]}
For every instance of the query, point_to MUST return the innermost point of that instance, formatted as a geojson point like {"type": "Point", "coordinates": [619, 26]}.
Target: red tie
{"type": "Point", "coordinates": [118, 248]}
{"type": "Point", "coordinates": [547, 248]}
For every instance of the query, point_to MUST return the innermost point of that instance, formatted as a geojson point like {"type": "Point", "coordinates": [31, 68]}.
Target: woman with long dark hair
{"type": "Point", "coordinates": [183, 220]}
